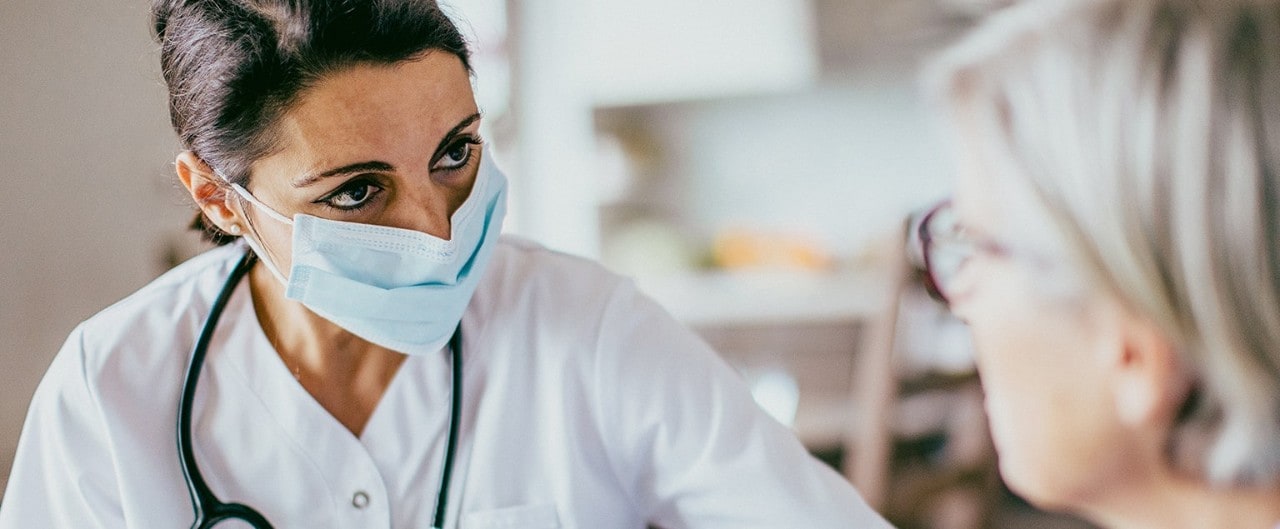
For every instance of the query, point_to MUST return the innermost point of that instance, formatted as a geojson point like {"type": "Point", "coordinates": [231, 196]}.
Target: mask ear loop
{"type": "Point", "coordinates": [245, 194]}
{"type": "Point", "coordinates": [253, 241]}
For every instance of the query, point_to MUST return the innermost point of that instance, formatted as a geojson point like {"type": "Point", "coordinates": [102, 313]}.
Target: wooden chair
{"type": "Point", "coordinates": [959, 489]}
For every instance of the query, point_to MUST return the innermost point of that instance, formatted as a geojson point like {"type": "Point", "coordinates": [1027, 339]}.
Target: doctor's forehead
{"type": "Point", "coordinates": [380, 110]}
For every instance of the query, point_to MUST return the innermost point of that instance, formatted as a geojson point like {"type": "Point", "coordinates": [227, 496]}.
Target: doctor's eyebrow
{"type": "Point", "coordinates": [444, 143]}
{"type": "Point", "coordinates": [374, 165]}
{"type": "Point", "coordinates": [360, 167]}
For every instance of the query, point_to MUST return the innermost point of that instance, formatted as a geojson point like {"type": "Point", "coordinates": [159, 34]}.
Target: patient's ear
{"type": "Point", "coordinates": [208, 190]}
{"type": "Point", "coordinates": [1150, 381]}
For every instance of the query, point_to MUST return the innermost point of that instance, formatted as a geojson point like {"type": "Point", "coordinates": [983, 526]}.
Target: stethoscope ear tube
{"type": "Point", "coordinates": [209, 510]}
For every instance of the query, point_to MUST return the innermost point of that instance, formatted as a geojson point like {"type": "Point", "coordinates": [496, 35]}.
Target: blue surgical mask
{"type": "Point", "coordinates": [402, 289]}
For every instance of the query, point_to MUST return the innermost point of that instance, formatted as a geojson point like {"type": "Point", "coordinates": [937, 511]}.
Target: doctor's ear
{"type": "Point", "coordinates": [210, 193]}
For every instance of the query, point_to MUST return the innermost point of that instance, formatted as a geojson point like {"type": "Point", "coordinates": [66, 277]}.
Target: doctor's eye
{"type": "Point", "coordinates": [353, 195]}
{"type": "Point", "coordinates": [457, 154]}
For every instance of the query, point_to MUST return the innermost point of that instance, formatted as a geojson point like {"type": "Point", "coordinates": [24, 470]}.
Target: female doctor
{"type": "Point", "coordinates": [363, 350]}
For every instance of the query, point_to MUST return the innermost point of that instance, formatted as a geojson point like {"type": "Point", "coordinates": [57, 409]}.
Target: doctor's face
{"type": "Point", "coordinates": [1042, 353]}
{"type": "Point", "coordinates": [391, 145]}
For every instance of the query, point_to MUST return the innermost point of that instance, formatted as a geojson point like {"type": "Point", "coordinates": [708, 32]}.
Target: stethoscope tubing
{"type": "Point", "coordinates": [455, 414]}
{"type": "Point", "coordinates": [209, 510]}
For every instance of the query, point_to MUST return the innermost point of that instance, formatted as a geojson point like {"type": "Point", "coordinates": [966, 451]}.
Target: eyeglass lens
{"type": "Point", "coordinates": [945, 250]}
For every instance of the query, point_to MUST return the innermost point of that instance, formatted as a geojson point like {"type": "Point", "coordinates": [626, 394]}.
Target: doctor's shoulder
{"type": "Point", "coordinates": [548, 308]}
{"type": "Point", "coordinates": [149, 334]}
{"type": "Point", "coordinates": [108, 400]}
{"type": "Point", "coordinates": [576, 313]}
{"type": "Point", "coordinates": [559, 288]}
{"type": "Point", "coordinates": [667, 413]}
{"type": "Point", "coordinates": [550, 292]}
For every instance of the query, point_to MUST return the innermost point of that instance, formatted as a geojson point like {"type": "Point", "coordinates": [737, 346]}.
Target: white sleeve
{"type": "Point", "coordinates": [690, 444]}
{"type": "Point", "coordinates": [63, 475]}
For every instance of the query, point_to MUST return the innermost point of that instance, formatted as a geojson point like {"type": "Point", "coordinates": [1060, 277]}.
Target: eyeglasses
{"type": "Point", "coordinates": [943, 247]}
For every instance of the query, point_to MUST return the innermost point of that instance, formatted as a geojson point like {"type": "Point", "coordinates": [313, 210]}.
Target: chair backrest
{"type": "Point", "coordinates": [868, 439]}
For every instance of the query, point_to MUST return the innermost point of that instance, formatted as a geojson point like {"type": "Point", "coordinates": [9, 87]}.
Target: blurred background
{"type": "Point", "coordinates": [751, 163]}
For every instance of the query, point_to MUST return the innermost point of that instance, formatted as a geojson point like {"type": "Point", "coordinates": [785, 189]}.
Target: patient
{"type": "Point", "coordinates": [1114, 246]}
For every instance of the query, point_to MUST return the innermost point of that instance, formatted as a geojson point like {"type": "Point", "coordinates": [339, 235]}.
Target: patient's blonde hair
{"type": "Point", "coordinates": [1150, 131]}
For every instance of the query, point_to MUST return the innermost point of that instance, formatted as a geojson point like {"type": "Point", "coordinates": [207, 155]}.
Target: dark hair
{"type": "Point", "coordinates": [233, 67]}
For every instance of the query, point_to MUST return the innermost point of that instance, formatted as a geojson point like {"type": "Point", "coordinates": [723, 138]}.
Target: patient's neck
{"type": "Point", "coordinates": [1183, 503]}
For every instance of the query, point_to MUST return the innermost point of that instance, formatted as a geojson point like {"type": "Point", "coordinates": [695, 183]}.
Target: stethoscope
{"type": "Point", "coordinates": [209, 510]}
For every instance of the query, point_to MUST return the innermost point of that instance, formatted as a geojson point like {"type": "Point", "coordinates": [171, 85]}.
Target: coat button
{"type": "Point", "coordinates": [360, 499]}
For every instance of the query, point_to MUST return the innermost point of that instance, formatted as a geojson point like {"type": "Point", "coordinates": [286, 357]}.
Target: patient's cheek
{"type": "Point", "coordinates": [1032, 364]}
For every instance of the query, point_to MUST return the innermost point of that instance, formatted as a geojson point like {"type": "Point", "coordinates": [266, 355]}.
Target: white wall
{"type": "Point", "coordinates": [86, 153]}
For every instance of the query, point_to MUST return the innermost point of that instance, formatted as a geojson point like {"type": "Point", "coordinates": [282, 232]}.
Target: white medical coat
{"type": "Point", "coordinates": [585, 407]}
